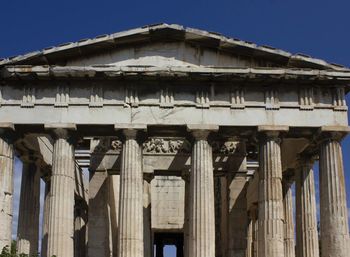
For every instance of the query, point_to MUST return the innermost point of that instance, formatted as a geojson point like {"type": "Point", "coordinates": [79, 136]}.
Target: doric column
{"type": "Point", "coordinates": [289, 242]}
{"type": "Point", "coordinates": [131, 242]}
{"type": "Point", "coordinates": [306, 219]}
{"type": "Point", "coordinates": [333, 210]}
{"type": "Point", "coordinates": [250, 228]}
{"type": "Point", "coordinates": [61, 212]}
{"type": "Point", "coordinates": [6, 190]}
{"type": "Point", "coordinates": [98, 221]}
{"type": "Point", "coordinates": [80, 224]}
{"type": "Point", "coordinates": [186, 178]}
{"type": "Point", "coordinates": [202, 209]}
{"type": "Point", "coordinates": [255, 232]}
{"type": "Point", "coordinates": [271, 228]}
{"type": "Point", "coordinates": [45, 219]}
{"type": "Point", "coordinates": [29, 208]}
{"type": "Point", "coordinates": [147, 223]}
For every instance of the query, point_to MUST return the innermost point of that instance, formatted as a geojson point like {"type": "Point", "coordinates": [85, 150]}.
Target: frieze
{"type": "Point", "coordinates": [107, 144]}
{"type": "Point", "coordinates": [166, 146]}
{"type": "Point", "coordinates": [225, 147]}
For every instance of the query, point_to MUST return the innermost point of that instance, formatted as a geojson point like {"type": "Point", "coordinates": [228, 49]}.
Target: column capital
{"type": "Point", "coordinates": [272, 131]}
{"type": "Point", "coordinates": [61, 130]}
{"type": "Point", "coordinates": [7, 132]}
{"type": "Point", "coordinates": [30, 158]}
{"type": "Point", "coordinates": [306, 160]}
{"type": "Point", "coordinates": [326, 133]}
{"type": "Point", "coordinates": [130, 130]}
{"type": "Point", "coordinates": [201, 131]}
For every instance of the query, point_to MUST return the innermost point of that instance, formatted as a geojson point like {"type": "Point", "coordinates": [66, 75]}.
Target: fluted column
{"type": "Point", "coordinates": [333, 210]}
{"type": "Point", "coordinates": [29, 208]}
{"type": "Point", "coordinates": [289, 242]}
{"type": "Point", "coordinates": [202, 216]}
{"type": "Point", "coordinates": [6, 191]}
{"type": "Point", "coordinates": [250, 228]}
{"type": "Point", "coordinates": [45, 219]}
{"type": "Point", "coordinates": [271, 229]}
{"type": "Point", "coordinates": [131, 198]}
{"type": "Point", "coordinates": [186, 178]}
{"type": "Point", "coordinates": [61, 212]}
{"type": "Point", "coordinates": [255, 232]}
{"type": "Point", "coordinates": [147, 222]}
{"type": "Point", "coordinates": [306, 219]}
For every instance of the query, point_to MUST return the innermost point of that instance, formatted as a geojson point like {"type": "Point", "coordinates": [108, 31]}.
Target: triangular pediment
{"type": "Point", "coordinates": [167, 45]}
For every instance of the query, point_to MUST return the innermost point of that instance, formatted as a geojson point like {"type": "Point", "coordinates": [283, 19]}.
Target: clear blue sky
{"type": "Point", "coordinates": [318, 28]}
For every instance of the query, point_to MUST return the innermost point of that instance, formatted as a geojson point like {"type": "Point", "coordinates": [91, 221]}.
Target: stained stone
{"type": "Point", "coordinates": [61, 212]}
{"type": "Point", "coordinates": [201, 204]}
{"type": "Point", "coordinates": [6, 192]}
{"type": "Point", "coordinates": [29, 208]}
{"type": "Point", "coordinates": [289, 232]}
{"type": "Point", "coordinates": [334, 214]}
{"type": "Point", "coordinates": [131, 199]}
{"type": "Point", "coordinates": [306, 231]}
{"type": "Point", "coordinates": [271, 229]}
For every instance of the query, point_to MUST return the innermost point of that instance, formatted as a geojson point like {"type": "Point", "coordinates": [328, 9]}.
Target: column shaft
{"type": "Point", "coordinates": [187, 216]}
{"type": "Point", "coordinates": [250, 246]}
{"type": "Point", "coordinates": [255, 233]}
{"type": "Point", "coordinates": [202, 215]}
{"type": "Point", "coordinates": [61, 212]}
{"type": "Point", "coordinates": [45, 225]}
{"type": "Point", "coordinates": [271, 234]}
{"type": "Point", "coordinates": [147, 226]}
{"type": "Point", "coordinates": [6, 192]}
{"type": "Point", "coordinates": [131, 199]}
{"type": "Point", "coordinates": [307, 237]}
{"type": "Point", "coordinates": [29, 208]}
{"type": "Point", "coordinates": [333, 210]}
{"type": "Point", "coordinates": [289, 242]}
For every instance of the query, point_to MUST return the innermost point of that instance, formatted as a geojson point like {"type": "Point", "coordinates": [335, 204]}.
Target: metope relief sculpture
{"type": "Point", "coordinates": [166, 146]}
{"type": "Point", "coordinates": [106, 144]}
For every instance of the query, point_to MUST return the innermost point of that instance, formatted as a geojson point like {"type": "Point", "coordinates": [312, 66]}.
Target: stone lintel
{"type": "Point", "coordinates": [272, 128]}
{"type": "Point", "coordinates": [68, 126]}
{"type": "Point", "coordinates": [130, 126]}
{"type": "Point", "coordinates": [208, 127]}
{"type": "Point", "coordinates": [340, 129]}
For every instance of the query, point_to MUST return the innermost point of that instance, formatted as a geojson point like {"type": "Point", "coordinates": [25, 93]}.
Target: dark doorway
{"type": "Point", "coordinates": [163, 239]}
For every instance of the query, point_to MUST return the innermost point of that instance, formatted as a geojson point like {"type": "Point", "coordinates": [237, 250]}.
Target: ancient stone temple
{"type": "Point", "coordinates": [185, 138]}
